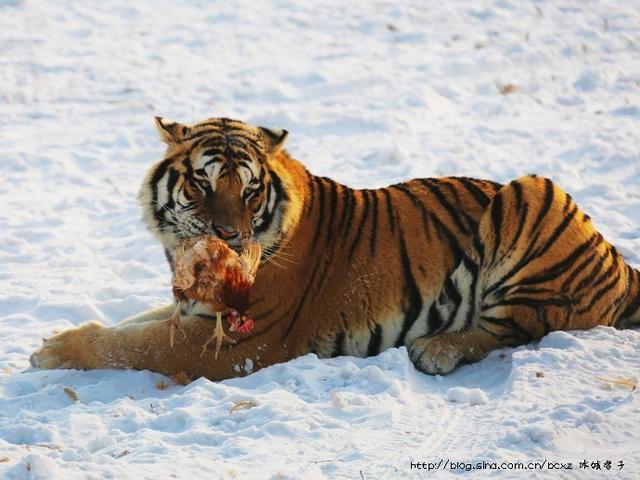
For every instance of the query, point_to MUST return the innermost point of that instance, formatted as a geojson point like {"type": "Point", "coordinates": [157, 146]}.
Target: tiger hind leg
{"type": "Point", "coordinates": [542, 266]}
{"type": "Point", "coordinates": [451, 339]}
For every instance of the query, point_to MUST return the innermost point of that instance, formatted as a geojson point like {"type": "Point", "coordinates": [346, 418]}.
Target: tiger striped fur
{"type": "Point", "coordinates": [451, 268]}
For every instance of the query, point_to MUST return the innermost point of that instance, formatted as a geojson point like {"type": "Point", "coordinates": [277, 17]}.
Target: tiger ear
{"type": "Point", "coordinates": [170, 132]}
{"type": "Point", "coordinates": [273, 138]}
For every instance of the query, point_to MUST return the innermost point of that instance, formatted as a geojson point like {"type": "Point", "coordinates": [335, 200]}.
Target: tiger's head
{"type": "Point", "coordinates": [220, 177]}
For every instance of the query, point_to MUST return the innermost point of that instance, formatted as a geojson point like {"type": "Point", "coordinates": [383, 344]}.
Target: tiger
{"type": "Point", "coordinates": [450, 268]}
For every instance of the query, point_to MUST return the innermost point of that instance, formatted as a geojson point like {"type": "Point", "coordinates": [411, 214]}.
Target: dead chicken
{"type": "Point", "coordinates": [208, 271]}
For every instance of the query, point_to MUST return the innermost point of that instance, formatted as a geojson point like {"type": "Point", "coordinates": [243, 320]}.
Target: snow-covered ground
{"type": "Point", "coordinates": [372, 92]}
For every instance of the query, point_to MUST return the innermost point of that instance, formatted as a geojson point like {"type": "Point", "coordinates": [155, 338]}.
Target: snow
{"type": "Point", "coordinates": [472, 396]}
{"type": "Point", "coordinates": [372, 93]}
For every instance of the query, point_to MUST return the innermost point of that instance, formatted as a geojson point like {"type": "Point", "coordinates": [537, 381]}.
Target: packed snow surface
{"type": "Point", "coordinates": [373, 93]}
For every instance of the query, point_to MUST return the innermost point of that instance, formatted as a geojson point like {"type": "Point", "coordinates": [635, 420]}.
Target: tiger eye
{"type": "Point", "coordinates": [254, 202]}
{"type": "Point", "coordinates": [202, 183]}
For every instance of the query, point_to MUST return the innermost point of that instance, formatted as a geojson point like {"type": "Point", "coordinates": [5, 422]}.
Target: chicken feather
{"type": "Point", "coordinates": [208, 271]}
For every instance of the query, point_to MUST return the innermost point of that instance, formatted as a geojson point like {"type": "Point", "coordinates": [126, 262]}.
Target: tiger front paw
{"type": "Point", "coordinates": [74, 348]}
{"type": "Point", "coordinates": [435, 355]}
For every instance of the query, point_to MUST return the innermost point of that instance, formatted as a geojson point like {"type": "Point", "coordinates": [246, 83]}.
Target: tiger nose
{"type": "Point", "coordinates": [225, 232]}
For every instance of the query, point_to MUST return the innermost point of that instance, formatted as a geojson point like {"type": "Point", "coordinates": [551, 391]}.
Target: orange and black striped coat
{"type": "Point", "coordinates": [451, 268]}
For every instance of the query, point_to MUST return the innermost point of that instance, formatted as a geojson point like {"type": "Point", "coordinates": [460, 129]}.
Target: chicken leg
{"type": "Point", "coordinates": [174, 324]}
{"type": "Point", "coordinates": [218, 335]}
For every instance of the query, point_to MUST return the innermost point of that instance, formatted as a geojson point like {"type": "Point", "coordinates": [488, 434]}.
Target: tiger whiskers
{"type": "Point", "coordinates": [180, 222]}
{"type": "Point", "coordinates": [282, 254]}
{"type": "Point", "coordinates": [278, 256]}
{"type": "Point", "coordinates": [273, 253]}
{"type": "Point", "coordinates": [273, 262]}
{"type": "Point", "coordinates": [282, 248]}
